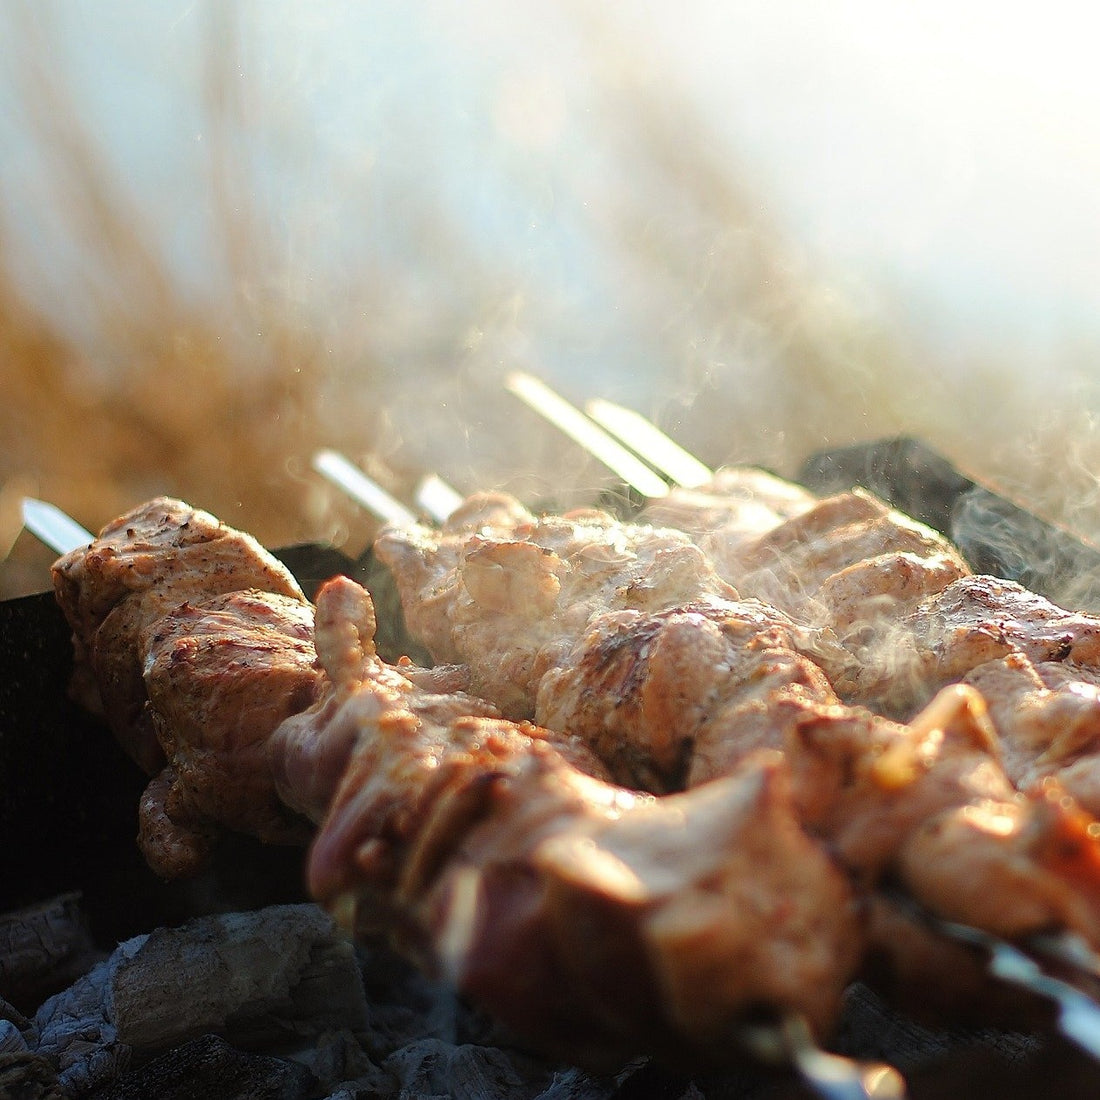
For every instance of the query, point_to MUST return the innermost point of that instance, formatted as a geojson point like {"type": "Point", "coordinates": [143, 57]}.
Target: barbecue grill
{"type": "Point", "coordinates": [339, 1022]}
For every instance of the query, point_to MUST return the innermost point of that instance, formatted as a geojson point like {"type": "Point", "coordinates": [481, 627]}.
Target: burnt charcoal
{"type": "Point", "coordinates": [870, 1028]}
{"type": "Point", "coordinates": [209, 1067]}
{"type": "Point", "coordinates": [904, 472]}
{"type": "Point", "coordinates": [43, 949]}
{"type": "Point", "coordinates": [26, 1076]}
{"type": "Point", "coordinates": [68, 811]}
{"type": "Point", "coordinates": [995, 535]}
{"type": "Point", "coordinates": [314, 563]}
{"type": "Point", "coordinates": [433, 1068]}
{"type": "Point", "coordinates": [278, 977]}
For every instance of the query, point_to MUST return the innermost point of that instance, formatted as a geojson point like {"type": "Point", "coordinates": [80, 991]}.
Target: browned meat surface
{"type": "Point", "coordinates": [859, 598]}
{"type": "Point", "coordinates": [788, 565]}
{"type": "Point", "coordinates": [686, 696]}
{"type": "Point", "coordinates": [739, 503]}
{"type": "Point", "coordinates": [507, 601]}
{"type": "Point", "coordinates": [221, 676]}
{"type": "Point", "coordinates": [1047, 716]}
{"type": "Point", "coordinates": [141, 565]}
{"type": "Point", "coordinates": [309, 752]}
{"type": "Point", "coordinates": [664, 697]}
{"type": "Point", "coordinates": [973, 620]}
{"type": "Point", "coordinates": [597, 920]}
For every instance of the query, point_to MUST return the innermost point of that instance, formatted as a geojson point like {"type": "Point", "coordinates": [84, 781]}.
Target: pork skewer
{"type": "Point", "coordinates": [901, 599]}
{"type": "Point", "coordinates": [327, 754]}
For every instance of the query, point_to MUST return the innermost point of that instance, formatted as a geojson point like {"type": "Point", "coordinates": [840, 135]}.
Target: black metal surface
{"type": "Point", "coordinates": [995, 535]}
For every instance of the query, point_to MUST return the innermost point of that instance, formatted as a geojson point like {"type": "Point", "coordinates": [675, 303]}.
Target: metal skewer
{"type": "Point", "coordinates": [1078, 1014]}
{"type": "Point", "coordinates": [830, 1076]}
{"type": "Point", "coordinates": [363, 490]}
{"type": "Point", "coordinates": [569, 419]}
{"type": "Point", "coordinates": [646, 439]}
{"type": "Point", "coordinates": [53, 527]}
{"type": "Point", "coordinates": [436, 497]}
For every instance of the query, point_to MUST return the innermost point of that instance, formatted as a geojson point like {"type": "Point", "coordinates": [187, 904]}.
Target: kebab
{"type": "Point", "coordinates": [690, 687]}
{"type": "Point", "coordinates": [901, 600]}
{"type": "Point", "coordinates": [434, 810]}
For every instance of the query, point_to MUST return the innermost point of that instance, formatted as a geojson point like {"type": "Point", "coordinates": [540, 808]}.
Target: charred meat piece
{"type": "Point", "coordinates": [140, 566]}
{"type": "Point", "coordinates": [651, 691]}
{"type": "Point", "coordinates": [507, 598]}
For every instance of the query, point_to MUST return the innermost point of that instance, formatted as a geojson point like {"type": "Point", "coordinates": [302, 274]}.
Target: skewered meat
{"type": "Point", "coordinates": [492, 849]}
{"type": "Point", "coordinates": [221, 675]}
{"type": "Point", "coordinates": [787, 565]}
{"type": "Point", "coordinates": [602, 921]}
{"type": "Point", "coordinates": [691, 694]}
{"type": "Point", "coordinates": [1047, 716]}
{"type": "Point", "coordinates": [358, 686]}
{"type": "Point", "coordinates": [143, 564]}
{"type": "Point", "coordinates": [649, 691]}
{"type": "Point", "coordinates": [504, 592]}
{"type": "Point", "coordinates": [973, 620]}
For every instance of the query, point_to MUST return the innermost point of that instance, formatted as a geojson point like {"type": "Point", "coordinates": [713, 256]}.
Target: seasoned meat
{"type": "Point", "coordinates": [685, 696]}
{"type": "Point", "coordinates": [787, 565]}
{"type": "Point", "coordinates": [508, 601]}
{"type": "Point", "coordinates": [221, 676]}
{"type": "Point", "coordinates": [595, 921]}
{"type": "Point", "coordinates": [1047, 716]}
{"type": "Point", "coordinates": [738, 504]}
{"type": "Point", "coordinates": [973, 620]}
{"type": "Point", "coordinates": [140, 566]}
{"type": "Point", "coordinates": [308, 754]}
{"type": "Point", "coordinates": [599, 921]}
{"type": "Point", "coordinates": [651, 691]}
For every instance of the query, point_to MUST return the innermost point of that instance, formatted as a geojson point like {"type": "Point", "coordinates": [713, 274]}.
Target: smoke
{"type": "Point", "coordinates": [232, 237]}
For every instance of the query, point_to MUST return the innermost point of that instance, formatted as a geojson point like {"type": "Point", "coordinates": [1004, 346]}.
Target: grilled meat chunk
{"type": "Point", "coordinates": [686, 696]}
{"type": "Point", "coordinates": [597, 920]}
{"type": "Point", "coordinates": [738, 504]}
{"type": "Point", "coordinates": [143, 564]}
{"type": "Point", "coordinates": [507, 599]}
{"type": "Point", "coordinates": [651, 691]}
{"type": "Point", "coordinates": [1047, 716]}
{"type": "Point", "coordinates": [787, 565]}
{"type": "Point", "coordinates": [973, 620]}
{"type": "Point", "coordinates": [221, 676]}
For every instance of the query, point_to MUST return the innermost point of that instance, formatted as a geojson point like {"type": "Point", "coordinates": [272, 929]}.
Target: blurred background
{"type": "Point", "coordinates": [231, 233]}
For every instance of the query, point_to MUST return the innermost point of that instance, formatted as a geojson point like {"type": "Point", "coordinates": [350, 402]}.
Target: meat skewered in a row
{"type": "Point", "coordinates": [488, 849]}
{"type": "Point", "coordinates": [196, 796]}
